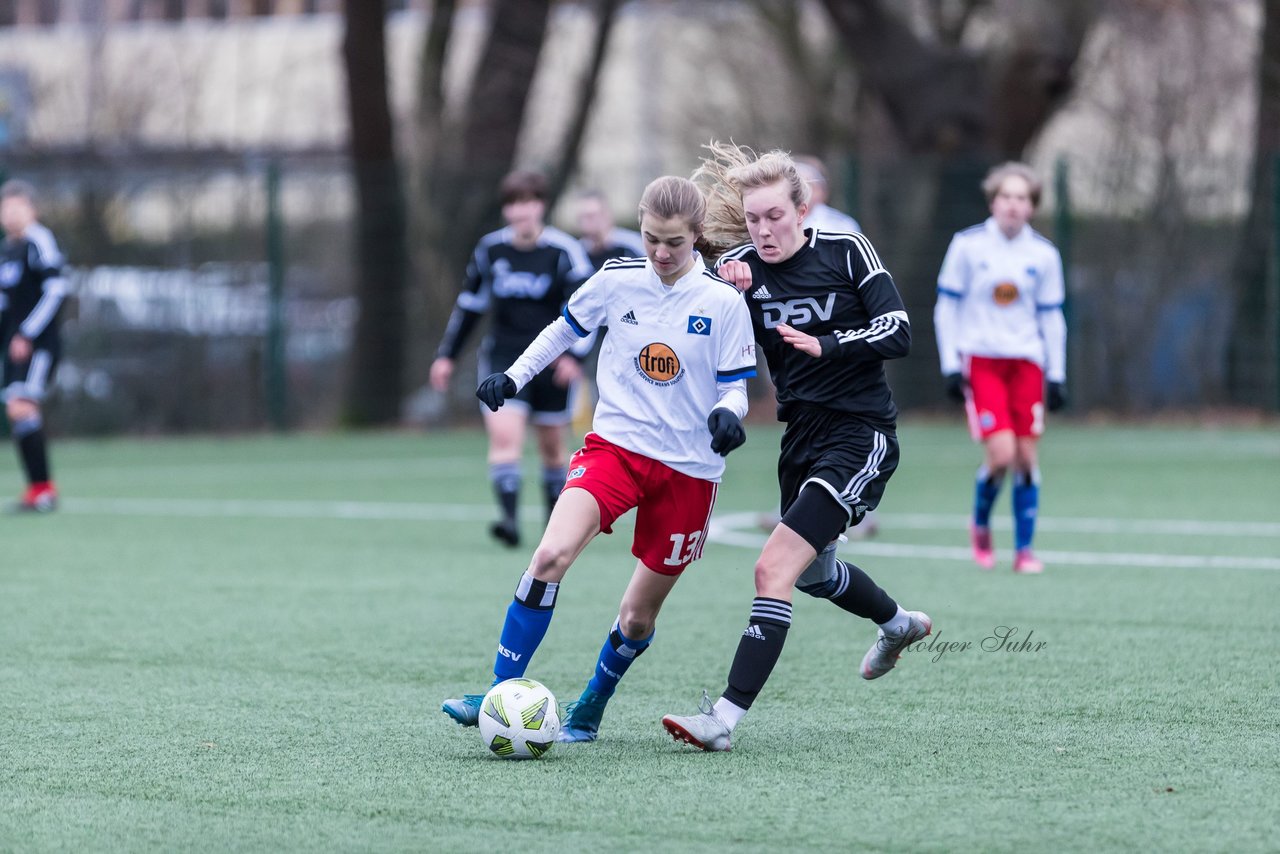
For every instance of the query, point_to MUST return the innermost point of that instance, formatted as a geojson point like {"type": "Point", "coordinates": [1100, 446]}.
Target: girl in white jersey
{"type": "Point", "coordinates": [672, 380]}
{"type": "Point", "coordinates": [1001, 334]}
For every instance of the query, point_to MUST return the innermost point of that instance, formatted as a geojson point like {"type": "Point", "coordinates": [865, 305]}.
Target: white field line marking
{"type": "Point", "coordinates": [728, 530]}
{"type": "Point", "coordinates": [217, 471]}
{"type": "Point", "coordinates": [735, 529]}
{"type": "Point", "coordinates": [1084, 525]}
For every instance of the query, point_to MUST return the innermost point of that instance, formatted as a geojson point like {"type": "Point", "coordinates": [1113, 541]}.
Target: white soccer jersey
{"type": "Point", "coordinates": [670, 356]}
{"type": "Point", "coordinates": [827, 218]}
{"type": "Point", "coordinates": [1001, 299]}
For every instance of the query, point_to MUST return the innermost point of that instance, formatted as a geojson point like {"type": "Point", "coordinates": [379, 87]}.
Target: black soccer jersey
{"type": "Point", "coordinates": [834, 288]}
{"type": "Point", "coordinates": [621, 243]}
{"type": "Point", "coordinates": [524, 289]}
{"type": "Point", "coordinates": [31, 287]}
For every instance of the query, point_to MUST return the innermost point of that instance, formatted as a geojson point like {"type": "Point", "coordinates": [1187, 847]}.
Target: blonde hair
{"type": "Point", "coordinates": [732, 170]}
{"type": "Point", "coordinates": [671, 196]}
{"type": "Point", "coordinates": [996, 177]}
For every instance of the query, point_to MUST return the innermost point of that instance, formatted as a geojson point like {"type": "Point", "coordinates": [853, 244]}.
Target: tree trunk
{"type": "Point", "coordinates": [956, 113]}
{"type": "Point", "coordinates": [377, 372]}
{"type": "Point", "coordinates": [464, 150]}
{"type": "Point", "coordinates": [1252, 359]}
{"type": "Point", "coordinates": [606, 13]}
{"type": "Point", "coordinates": [492, 125]}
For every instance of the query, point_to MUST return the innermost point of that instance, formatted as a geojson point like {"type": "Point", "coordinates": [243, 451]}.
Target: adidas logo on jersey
{"type": "Point", "coordinates": [753, 631]}
{"type": "Point", "coordinates": [761, 293]}
{"type": "Point", "coordinates": [630, 317]}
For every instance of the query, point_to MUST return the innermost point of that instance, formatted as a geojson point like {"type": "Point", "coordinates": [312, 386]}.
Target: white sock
{"type": "Point", "coordinates": [897, 624]}
{"type": "Point", "coordinates": [729, 712]}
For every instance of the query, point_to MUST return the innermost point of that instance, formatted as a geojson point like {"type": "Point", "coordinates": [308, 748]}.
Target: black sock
{"type": "Point", "coordinates": [552, 484]}
{"type": "Point", "coordinates": [506, 480]}
{"type": "Point", "coordinates": [863, 597]}
{"type": "Point", "coordinates": [29, 436]}
{"type": "Point", "coordinates": [758, 650]}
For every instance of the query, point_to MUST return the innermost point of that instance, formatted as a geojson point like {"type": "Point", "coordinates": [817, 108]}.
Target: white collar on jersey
{"type": "Point", "coordinates": [993, 228]}
{"type": "Point", "coordinates": [697, 269]}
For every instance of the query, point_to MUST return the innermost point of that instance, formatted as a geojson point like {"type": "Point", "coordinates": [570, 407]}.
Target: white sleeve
{"type": "Point", "coordinates": [1053, 325]}
{"type": "Point", "coordinates": [587, 308]}
{"type": "Point", "coordinates": [733, 397]}
{"type": "Point", "coordinates": [583, 346]}
{"type": "Point", "coordinates": [737, 357]}
{"type": "Point", "coordinates": [557, 337]}
{"type": "Point", "coordinates": [952, 286]}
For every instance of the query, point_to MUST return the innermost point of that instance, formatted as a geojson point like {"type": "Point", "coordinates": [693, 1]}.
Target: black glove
{"type": "Point", "coordinates": [955, 387]}
{"type": "Point", "coordinates": [495, 390]}
{"type": "Point", "coordinates": [726, 431]}
{"type": "Point", "coordinates": [1057, 396]}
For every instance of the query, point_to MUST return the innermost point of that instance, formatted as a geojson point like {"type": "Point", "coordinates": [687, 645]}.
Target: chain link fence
{"type": "Point", "coordinates": [168, 326]}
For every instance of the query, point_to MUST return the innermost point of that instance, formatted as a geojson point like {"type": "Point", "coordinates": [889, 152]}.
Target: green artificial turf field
{"type": "Point", "coordinates": [243, 644]}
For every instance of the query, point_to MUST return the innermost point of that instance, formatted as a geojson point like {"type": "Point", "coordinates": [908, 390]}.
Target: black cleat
{"type": "Point", "coordinates": [506, 532]}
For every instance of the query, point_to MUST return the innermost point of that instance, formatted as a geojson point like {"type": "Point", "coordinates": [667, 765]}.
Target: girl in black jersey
{"type": "Point", "coordinates": [827, 315]}
{"type": "Point", "coordinates": [520, 276]}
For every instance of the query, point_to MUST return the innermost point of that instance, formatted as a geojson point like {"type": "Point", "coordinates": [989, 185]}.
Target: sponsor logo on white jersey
{"type": "Point", "coordinates": [699, 325]}
{"type": "Point", "coordinates": [658, 364]}
{"type": "Point", "coordinates": [630, 317]}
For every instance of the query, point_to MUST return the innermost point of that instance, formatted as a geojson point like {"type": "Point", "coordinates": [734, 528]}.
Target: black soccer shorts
{"type": "Point", "coordinates": [547, 402]}
{"type": "Point", "coordinates": [841, 454]}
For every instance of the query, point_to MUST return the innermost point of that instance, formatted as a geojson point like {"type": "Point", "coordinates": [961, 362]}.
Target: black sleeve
{"type": "Point", "coordinates": [472, 305]}
{"type": "Point", "coordinates": [888, 335]}
{"type": "Point", "coordinates": [461, 324]}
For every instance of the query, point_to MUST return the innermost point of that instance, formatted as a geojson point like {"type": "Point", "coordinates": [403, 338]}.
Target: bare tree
{"type": "Point", "coordinates": [1252, 358]}
{"type": "Point", "coordinates": [465, 146]}
{"type": "Point", "coordinates": [956, 103]}
{"type": "Point", "coordinates": [378, 353]}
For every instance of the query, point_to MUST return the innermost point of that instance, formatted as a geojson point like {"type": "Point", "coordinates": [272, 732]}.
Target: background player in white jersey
{"type": "Point", "coordinates": [1001, 333]}
{"type": "Point", "coordinates": [820, 214]}
{"type": "Point", "coordinates": [521, 275]}
{"type": "Point", "coordinates": [827, 315]}
{"type": "Point", "coordinates": [31, 293]}
{"type": "Point", "coordinates": [672, 377]}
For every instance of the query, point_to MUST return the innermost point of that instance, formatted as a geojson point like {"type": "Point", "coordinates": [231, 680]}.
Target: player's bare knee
{"type": "Point", "coordinates": [771, 581]}
{"type": "Point", "coordinates": [634, 623]}
{"type": "Point", "coordinates": [550, 562]}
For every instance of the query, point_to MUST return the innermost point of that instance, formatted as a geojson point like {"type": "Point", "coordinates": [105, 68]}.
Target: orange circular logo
{"type": "Point", "coordinates": [1005, 293]}
{"type": "Point", "coordinates": [658, 362]}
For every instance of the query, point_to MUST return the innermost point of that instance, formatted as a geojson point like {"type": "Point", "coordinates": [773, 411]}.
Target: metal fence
{"type": "Point", "coordinates": [170, 325]}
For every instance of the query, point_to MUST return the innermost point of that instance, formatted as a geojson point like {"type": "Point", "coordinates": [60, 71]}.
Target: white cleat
{"type": "Point", "coordinates": [884, 653]}
{"type": "Point", "coordinates": [705, 730]}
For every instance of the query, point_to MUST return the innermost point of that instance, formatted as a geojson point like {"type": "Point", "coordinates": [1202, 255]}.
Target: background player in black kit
{"type": "Point", "coordinates": [521, 275]}
{"type": "Point", "coordinates": [31, 294]}
{"type": "Point", "coordinates": [827, 314]}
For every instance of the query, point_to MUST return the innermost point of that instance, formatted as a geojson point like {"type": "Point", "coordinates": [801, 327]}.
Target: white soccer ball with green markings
{"type": "Point", "coordinates": [519, 719]}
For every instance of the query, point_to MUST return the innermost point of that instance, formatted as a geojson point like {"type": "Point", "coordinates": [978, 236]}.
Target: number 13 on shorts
{"type": "Point", "coordinates": [684, 548]}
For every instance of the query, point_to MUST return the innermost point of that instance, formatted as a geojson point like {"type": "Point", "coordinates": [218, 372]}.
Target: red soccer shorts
{"type": "Point", "coordinates": [673, 510]}
{"type": "Point", "coordinates": [1005, 394]}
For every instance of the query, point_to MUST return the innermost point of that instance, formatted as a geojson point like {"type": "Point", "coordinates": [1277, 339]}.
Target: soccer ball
{"type": "Point", "coordinates": [519, 719]}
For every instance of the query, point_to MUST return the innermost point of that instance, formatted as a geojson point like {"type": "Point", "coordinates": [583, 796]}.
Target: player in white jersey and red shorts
{"type": "Point", "coordinates": [672, 380]}
{"type": "Point", "coordinates": [1001, 334]}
